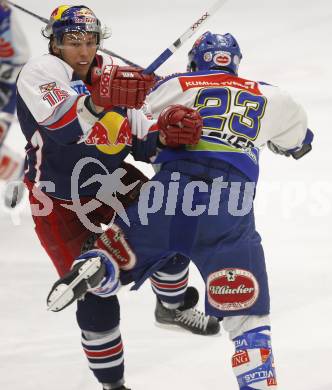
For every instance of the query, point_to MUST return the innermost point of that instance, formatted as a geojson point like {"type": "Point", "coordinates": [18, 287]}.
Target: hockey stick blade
{"type": "Point", "coordinates": [164, 56]}
{"type": "Point", "coordinates": [75, 284]}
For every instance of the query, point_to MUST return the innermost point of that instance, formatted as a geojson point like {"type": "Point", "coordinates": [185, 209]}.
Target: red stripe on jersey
{"type": "Point", "coordinates": [105, 353]}
{"type": "Point", "coordinates": [168, 285]}
{"type": "Point", "coordinates": [219, 80]}
{"type": "Point", "coordinates": [67, 118]}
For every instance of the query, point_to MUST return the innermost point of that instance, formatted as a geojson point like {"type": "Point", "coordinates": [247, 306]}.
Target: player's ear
{"type": "Point", "coordinates": [54, 47]}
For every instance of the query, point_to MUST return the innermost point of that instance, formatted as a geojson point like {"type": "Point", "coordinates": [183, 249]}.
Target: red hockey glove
{"type": "Point", "coordinates": [124, 86]}
{"type": "Point", "coordinates": [179, 125]}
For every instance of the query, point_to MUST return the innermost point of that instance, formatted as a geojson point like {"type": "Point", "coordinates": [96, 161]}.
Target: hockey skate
{"type": "Point", "coordinates": [85, 275]}
{"type": "Point", "coordinates": [187, 317]}
{"type": "Point", "coordinates": [118, 388]}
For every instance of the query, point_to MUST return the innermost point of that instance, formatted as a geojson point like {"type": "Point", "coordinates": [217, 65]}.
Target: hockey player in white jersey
{"type": "Point", "coordinates": [240, 117]}
{"type": "Point", "coordinates": [213, 185]}
{"type": "Point", "coordinates": [14, 53]}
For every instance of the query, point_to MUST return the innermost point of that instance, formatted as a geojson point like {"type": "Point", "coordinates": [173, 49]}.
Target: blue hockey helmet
{"type": "Point", "coordinates": [76, 18]}
{"type": "Point", "coordinates": [214, 51]}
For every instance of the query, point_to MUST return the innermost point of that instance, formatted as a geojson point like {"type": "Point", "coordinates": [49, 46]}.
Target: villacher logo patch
{"type": "Point", "coordinates": [232, 289]}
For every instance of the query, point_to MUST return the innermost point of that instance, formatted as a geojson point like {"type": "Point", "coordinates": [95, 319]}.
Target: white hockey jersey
{"type": "Point", "coordinates": [239, 117]}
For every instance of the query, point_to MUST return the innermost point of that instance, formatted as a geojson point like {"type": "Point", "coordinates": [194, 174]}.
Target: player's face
{"type": "Point", "coordinates": [78, 50]}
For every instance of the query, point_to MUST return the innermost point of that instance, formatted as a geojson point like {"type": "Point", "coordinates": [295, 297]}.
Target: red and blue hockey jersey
{"type": "Point", "coordinates": [61, 131]}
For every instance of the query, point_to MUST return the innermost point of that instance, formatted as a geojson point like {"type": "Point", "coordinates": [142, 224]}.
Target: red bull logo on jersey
{"type": "Point", "coordinates": [111, 134]}
{"type": "Point", "coordinates": [232, 289]}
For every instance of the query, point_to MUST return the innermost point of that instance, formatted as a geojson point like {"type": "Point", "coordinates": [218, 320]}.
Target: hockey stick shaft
{"type": "Point", "coordinates": [164, 56]}
{"type": "Point", "coordinates": [125, 60]}
{"type": "Point", "coordinates": [109, 52]}
{"type": "Point", "coordinates": [28, 12]}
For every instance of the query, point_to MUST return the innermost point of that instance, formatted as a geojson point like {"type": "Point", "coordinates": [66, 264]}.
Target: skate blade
{"type": "Point", "coordinates": [172, 327]}
{"type": "Point", "coordinates": [179, 329]}
{"type": "Point", "coordinates": [64, 294]}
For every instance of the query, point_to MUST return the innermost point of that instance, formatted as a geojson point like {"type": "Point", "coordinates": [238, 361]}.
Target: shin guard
{"type": "Point", "coordinates": [252, 362]}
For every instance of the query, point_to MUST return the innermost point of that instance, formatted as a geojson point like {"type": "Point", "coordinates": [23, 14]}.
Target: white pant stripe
{"type": "Point", "coordinates": [112, 336]}
{"type": "Point", "coordinates": [100, 366]}
{"type": "Point", "coordinates": [165, 276]}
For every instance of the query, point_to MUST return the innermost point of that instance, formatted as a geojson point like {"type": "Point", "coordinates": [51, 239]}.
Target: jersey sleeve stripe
{"type": "Point", "coordinates": [65, 118]}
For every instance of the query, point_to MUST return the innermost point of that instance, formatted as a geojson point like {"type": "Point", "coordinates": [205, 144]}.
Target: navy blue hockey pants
{"type": "Point", "coordinates": [214, 228]}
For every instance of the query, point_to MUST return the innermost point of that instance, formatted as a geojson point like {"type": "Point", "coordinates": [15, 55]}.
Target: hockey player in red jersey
{"type": "Point", "coordinates": [14, 52]}
{"type": "Point", "coordinates": [76, 106]}
{"type": "Point", "coordinates": [213, 186]}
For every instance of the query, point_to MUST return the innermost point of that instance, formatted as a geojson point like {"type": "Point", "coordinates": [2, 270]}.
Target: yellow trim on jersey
{"type": "Point", "coordinates": [205, 146]}
{"type": "Point", "coordinates": [112, 122]}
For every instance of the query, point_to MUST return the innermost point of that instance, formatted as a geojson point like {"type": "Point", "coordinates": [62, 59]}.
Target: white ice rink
{"type": "Point", "coordinates": [286, 43]}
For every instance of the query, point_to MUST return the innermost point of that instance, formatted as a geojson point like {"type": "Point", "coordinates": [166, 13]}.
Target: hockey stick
{"type": "Point", "coordinates": [28, 12]}
{"type": "Point", "coordinates": [164, 56]}
{"type": "Point", "coordinates": [44, 20]}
